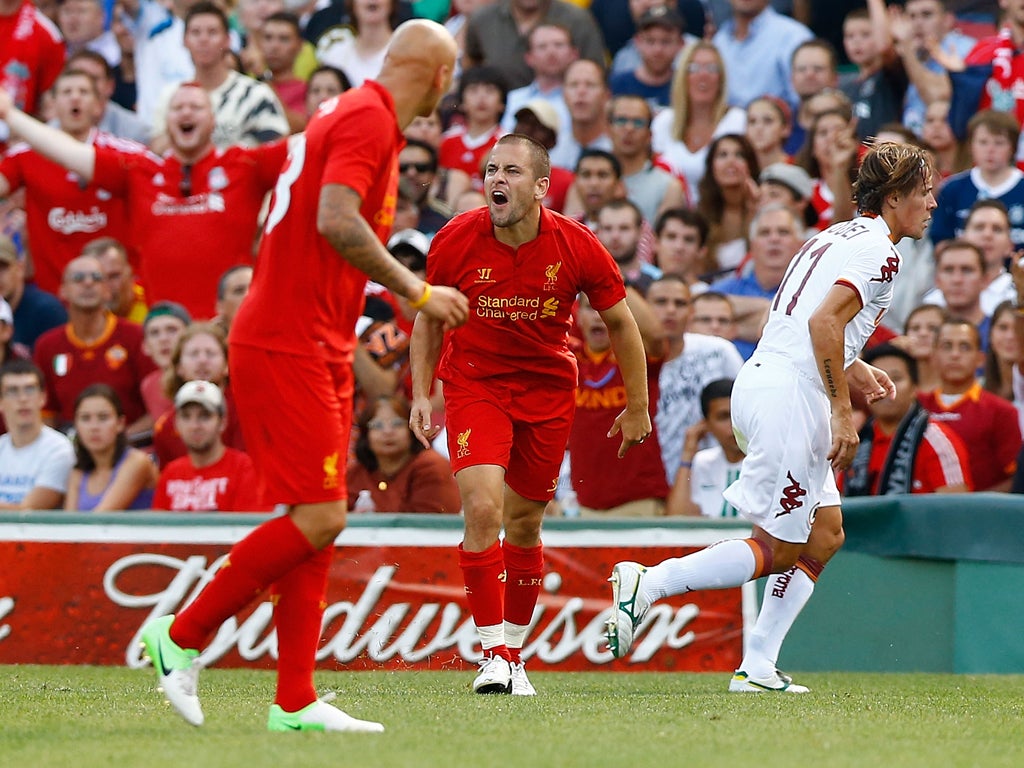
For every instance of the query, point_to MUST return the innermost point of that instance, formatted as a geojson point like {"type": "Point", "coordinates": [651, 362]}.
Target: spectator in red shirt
{"type": "Point", "coordinates": [291, 365]}
{"type": "Point", "coordinates": [201, 353]}
{"type": "Point", "coordinates": [213, 195]}
{"type": "Point", "coordinates": [986, 423]}
{"type": "Point", "coordinates": [31, 54]}
{"type": "Point", "coordinates": [161, 329]}
{"type": "Point", "coordinates": [401, 474]}
{"type": "Point", "coordinates": [63, 211]}
{"type": "Point", "coordinates": [509, 385]}
{"type": "Point", "coordinates": [902, 448]}
{"type": "Point", "coordinates": [482, 93]}
{"type": "Point", "coordinates": [94, 346]}
{"type": "Point", "coordinates": [596, 471]}
{"type": "Point", "coordinates": [281, 42]}
{"type": "Point", "coordinates": [211, 477]}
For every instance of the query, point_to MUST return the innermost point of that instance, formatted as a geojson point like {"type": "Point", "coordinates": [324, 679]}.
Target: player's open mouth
{"type": "Point", "coordinates": [186, 128]}
{"type": "Point", "coordinates": [498, 197]}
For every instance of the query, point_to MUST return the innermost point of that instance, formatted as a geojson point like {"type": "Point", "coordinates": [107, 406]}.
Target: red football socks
{"type": "Point", "coordinates": [253, 564]}
{"type": "Point", "coordinates": [524, 570]}
{"type": "Point", "coordinates": [298, 615]}
{"type": "Point", "coordinates": [483, 573]}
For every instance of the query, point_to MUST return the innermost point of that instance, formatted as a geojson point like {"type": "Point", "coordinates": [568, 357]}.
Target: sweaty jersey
{"type": "Point", "coordinates": [520, 299]}
{"type": "Point", "coordinates": [857, 254]}
{"type": "Point", "coordinates": [305, 297]}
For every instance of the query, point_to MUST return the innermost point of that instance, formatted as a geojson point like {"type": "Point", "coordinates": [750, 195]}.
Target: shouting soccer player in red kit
{"type": "Point", "coordinates": [509, 385]}
{"type": "Point", "coordinates": [291, 364]}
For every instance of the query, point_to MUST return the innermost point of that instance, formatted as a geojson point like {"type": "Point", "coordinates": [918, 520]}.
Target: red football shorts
{"type": "Point", "coordinates": [514, 425]}
{"type": "Point", "coordinates": [296, 416]}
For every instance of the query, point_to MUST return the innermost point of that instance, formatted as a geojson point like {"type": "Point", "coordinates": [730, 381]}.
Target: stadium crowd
{"type": "Point", "coordinates": [703, 141]}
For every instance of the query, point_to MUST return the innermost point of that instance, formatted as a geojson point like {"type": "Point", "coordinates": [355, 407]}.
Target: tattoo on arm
{"type": "Point", "coordinates": [829, 378]}
{"type": "Point", "coordinates": [347, 232]}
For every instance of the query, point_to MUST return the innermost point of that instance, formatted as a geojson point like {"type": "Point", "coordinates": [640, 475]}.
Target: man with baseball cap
{"type": "Point", "coordinates": [791, 186]}
{"type": "Point", "coordinates": [658, 40]}
{"type": "Point", "coordinates": [35, 311]}
{"type": "Point", "coordinates": [211, 477]}
{"type": "Point", "coordinates": [540, 120]}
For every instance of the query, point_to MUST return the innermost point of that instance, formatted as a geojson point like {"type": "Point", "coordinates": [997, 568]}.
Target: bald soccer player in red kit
{"type": "Point", "coordinates": [291, 345]}
{"type": "Point", "coordinates": [509, 385]}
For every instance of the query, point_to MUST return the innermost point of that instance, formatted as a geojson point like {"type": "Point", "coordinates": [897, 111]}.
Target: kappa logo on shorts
{"type": "Point", "coordinates": [551, 273]}
{"type": "Point", "coordinates": [463, 443]}
{"type": "Point", "coordinates": [791, 496]}
{"type": "Point", "coordinates": [331, 471]}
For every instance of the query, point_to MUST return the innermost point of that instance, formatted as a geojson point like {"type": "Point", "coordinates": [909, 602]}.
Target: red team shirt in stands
{"type": "Point", "coordinates": [63, 214]}
{"type": "Point", "coordinates": [191, 223]}
{"type": "Point", "coordinates": [229, 485]}
{"type": "Point", "coordinates": [941, 459]}
{"type": "Point", "coordinates": [31, 56]}
{"type": "Point", "coordinates": [597, 471]}
{"type": "Point", "coordinates": [520, 300]}
{"type": "Point", "coordinates": [115, 358]}
{"type": "Point", "coordinates": [454, 152]}
{"type": "Point", "coordinates": [305, 297]}
{"type": "Point", "coordinates": [989, 429]}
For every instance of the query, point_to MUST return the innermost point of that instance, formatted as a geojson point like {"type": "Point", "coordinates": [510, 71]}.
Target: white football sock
{"type": "Point", "coordinates": [515, 634]}
{"type": "Point", "coordinates": [785, 595]}
{"type": "Point", "coordinates": [722, 565]}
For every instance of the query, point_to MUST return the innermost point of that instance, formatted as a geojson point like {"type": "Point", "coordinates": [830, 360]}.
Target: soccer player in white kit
{"type": "Point", "coordinates": [793, 418]}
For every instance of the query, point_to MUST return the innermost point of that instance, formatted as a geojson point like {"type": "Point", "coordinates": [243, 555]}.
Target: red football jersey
{"type": "Point", "coordinates": [305, 297]}
{"type": "Point", "coordinates": [520, 300]}
{"type": "Point", "coordinates": [31, 56]}
{"type": "Point", "coordinates": [941, 459]}
{"type": "Point", "coordinates": [467, 156]}
{"type": "Point", "coordinates": [192, 222]}
{"type": "Point", "coordinates": [69, 366]}
{"type": "Point", "coordinates": [597, 470]}
{"type": "Point", "coordinates": [989, 429]}
{"type": "Point", "coordinates": [63, 214]}
{"type": "Point", "coordinates": [229, 485]}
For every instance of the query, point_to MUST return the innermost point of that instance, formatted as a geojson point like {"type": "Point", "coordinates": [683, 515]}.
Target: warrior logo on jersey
{"type": "Point", "coordinates": [331, 471]}
{"type": "Point", "coordinates": [791, 496]}
{"type": "Point", "coordinates": [463, 442]}
{"type": "Point", "coordinates": [890, 269]}
{"type": "Point", "coordinates": [551, 273]}
{"type": "Point", "coordinates": [483, 275]}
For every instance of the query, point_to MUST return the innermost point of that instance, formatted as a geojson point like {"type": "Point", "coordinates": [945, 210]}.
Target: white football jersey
{"type": "Point", "coordinates": [857, 254]}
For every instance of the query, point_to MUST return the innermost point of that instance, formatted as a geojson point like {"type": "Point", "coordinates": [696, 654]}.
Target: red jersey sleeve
{"type": "Point", "coordinates": [355, 152]}
{"type": "Point", "coordinates": [269, 159]}
{"type": "Point", "coordinates": [11, 167]}
{"type": "Point", "coordinates": [1007, 438]}
{"type": "Point", "coordinates": [113, 168]}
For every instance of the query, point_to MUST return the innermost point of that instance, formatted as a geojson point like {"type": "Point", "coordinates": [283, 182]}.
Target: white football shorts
{"type": "Point", "coordinates": [782, 421]}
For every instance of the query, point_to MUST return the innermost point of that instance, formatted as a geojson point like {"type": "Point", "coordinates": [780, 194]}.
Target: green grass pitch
{"type": "Point", "coordinates": [112, 717]}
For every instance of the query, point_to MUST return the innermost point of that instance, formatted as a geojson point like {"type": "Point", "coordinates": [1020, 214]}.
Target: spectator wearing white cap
{"type": "Point", "coordinates": [549, 53]}
{"type": "Point", "coordinates": [653, 189]}
{"type": "Point", "coordinates": [211, 477]}
{"type": "Point", "coordinates": [539, 120]}
{"type": "Point", "coordinates": [791, 186]}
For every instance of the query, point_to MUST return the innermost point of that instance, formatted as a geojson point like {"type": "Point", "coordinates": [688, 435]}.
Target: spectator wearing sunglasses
{"type": "Point", "coordinates": [94, 346]}
{"type": "Point", "coordinates": [417, 162]}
